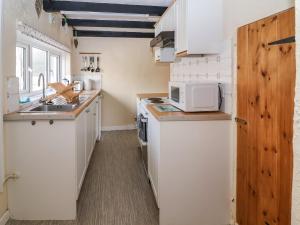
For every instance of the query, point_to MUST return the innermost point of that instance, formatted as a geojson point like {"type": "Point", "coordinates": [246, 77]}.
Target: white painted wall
{"type": "Point", "coordinates": [296, 179]}
{"type": "Point", "coordinates": [128, 68]}
{"type": "Point", "coordinates": [241, 12]}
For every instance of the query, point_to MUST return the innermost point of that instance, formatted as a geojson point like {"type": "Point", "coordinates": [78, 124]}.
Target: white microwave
{"type": "Point", "coordinates": [195, 96]}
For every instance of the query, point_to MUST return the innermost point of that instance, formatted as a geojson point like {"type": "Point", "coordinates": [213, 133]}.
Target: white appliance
{"type": "Point", "coordinates": [201, 96]}
{"type": "Point", "coordinates": [78, 85]}
{"type": "Point", "coordinates": [142, 125]}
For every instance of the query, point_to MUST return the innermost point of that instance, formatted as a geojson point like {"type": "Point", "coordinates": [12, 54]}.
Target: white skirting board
{"type": "Point", "coordinates": [4, 219]}
{"type": "Point", "coordinates": [115, 128]}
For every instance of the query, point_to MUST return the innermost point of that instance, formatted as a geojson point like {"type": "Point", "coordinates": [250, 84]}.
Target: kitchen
{"type": "Point", "coordinates": [149, 112]}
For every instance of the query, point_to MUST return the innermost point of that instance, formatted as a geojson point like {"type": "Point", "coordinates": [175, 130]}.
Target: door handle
{"type": "Point", "coordinates": [241, 121]}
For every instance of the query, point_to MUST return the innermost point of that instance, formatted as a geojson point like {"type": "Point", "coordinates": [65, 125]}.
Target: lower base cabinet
{"type": "Point", "coordinates": [51, 161]}
{"type": "Point", "coordinates": [88, 132]}
{"type": "Point", "coordinates": [190, 170]}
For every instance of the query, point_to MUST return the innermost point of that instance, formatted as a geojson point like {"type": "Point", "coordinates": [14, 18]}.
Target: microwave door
{"type": "Point", "coordinates": [175, 94]}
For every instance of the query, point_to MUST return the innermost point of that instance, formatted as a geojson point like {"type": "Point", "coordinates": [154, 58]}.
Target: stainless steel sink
{"type": "Point", "coordinates": [58, 106]}
{"type": "Point", "coordinates": [51, 108]}
{"type": "Point", "coordinates": [54, 108]}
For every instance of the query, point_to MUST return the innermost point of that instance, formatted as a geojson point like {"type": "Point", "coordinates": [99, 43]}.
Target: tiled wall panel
{"type": "Point", "coordinates": [216, 68]}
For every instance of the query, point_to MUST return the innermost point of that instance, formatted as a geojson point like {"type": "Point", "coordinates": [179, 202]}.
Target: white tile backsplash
{"type": "Point", "coordinates": [12, 85]}
{"type": "Point", "coordinates": [215, 67]}
{"type": "Point", "coordinates": [13, 102]}
{"type": "Point", "coordinates": [12, 94]}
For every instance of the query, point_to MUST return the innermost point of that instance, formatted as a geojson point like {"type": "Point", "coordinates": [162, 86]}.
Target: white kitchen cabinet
{"type": "Point", "coordinates": [199, 27]}
{"type": "Point", "coordinates": [164, 54]}
{"type": "Point", "coordinates": [89, 132]}
{"type": "Point", "coordinates": [51, 158]}
{"type": "Point", "coordinates": [91, 128]}
{"type": "Point", "coordinates": [81, 150]}
{"type": "Point", "coordinates": [98, 118]}
{"type": "Point", "coordinates": [44, 156]}
{"type": "Point", "coordinates": [190, 170]}
{"type": "Point", "coordinates": [168, 21]}
{"type": "Point", "coordinates": [153, 154]}
{"type": "Point", "coordinates": [95, 122]}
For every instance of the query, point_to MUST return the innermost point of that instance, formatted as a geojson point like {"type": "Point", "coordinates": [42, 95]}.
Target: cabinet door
{"type": "Point", "coordinates": [99, 118]}
{"type": "Point", "coordinates": [158, 28]}
{"type": "Point", "coordinates": [181, 28]}
{"type": "Point", "coordinates": [153, 154]}
{"type": "Point", "coordinates": [80, 150]}
{"type": "Point", "coordinates": [88, 133]}
{"type": "Point", "coordinates": [94, 123]}
{"type": "Point", "coordinates": [169, 21]}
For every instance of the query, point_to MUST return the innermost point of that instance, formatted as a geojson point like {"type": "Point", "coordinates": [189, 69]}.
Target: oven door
{"type": "Point", "coordinates": [142, 135]}
{"type": "Point", "coordinates": [142, 127]}
{"type": "Point", "coordinates": [175, 94]}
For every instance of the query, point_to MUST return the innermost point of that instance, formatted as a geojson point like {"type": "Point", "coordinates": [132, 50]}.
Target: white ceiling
{"type": "Point", "coordinates": [130, 2]}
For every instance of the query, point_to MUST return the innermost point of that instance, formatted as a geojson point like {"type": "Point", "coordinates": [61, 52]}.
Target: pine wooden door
{"type": "Point", "coordinates": [265, 90]}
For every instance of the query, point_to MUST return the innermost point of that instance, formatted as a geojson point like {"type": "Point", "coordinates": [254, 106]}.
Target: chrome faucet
{"type": "Point", "coordinates": [43, 99]}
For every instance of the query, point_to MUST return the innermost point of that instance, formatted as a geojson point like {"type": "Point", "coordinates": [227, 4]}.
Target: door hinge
{"type": "Point", "coordinates": [241, 121]}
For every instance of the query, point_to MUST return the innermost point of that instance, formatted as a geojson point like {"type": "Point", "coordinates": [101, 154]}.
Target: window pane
{"type": "Point", "coordinates": [54, 68]}
{"type": "Point", "coordinates": [39, 65]}
{"type": "Point", "coordinates": [21, 67]}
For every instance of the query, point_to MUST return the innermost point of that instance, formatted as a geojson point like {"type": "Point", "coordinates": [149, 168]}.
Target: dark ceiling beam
{"type": "Point", "coordinates": [110, 23]}
{"type": "Point", "coordinates": [57, 6]}
{"type": "Point", "coordinates": [85, 33]}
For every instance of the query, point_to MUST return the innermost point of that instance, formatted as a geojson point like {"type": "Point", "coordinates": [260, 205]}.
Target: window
{"type": "Point", "coordinates": [39, 65]}
{"type": "Point", "coordinates": [54, 69]}
{"type": "Point", "coordinates": [34, 57]}
{"type": "Point", "coordinates": [21, 67]}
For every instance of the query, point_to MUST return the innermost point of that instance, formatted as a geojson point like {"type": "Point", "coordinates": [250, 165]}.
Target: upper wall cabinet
{"type": "Point", "coordinates": [198, 27]}
{"type": "Point", "coordinates": [167, 21]}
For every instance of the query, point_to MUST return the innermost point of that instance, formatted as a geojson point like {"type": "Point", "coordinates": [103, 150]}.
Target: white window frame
{"type": "Point", "coordinates": [31, 92]}
{"type": "Point", "coordinates": [29, 43]}
{"type": "Point", "coordinates": [59, 69]}
{"type": "Point", "coordinates": [26, 47]}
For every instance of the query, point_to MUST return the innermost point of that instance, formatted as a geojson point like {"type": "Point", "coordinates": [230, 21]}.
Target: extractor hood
{"type": "Point", "coordinates": [164, 40]}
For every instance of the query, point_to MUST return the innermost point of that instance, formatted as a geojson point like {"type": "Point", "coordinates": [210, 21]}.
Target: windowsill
{"type": "Point", "coordinates": [34, 97]}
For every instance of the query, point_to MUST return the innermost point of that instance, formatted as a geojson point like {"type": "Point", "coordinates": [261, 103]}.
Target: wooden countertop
{"type": "Point", "coordinates": [152, 95]}
{"type": "Point", "coordinates": [183, 116]}
{"type": "Point", "coordinates": [18, 116]}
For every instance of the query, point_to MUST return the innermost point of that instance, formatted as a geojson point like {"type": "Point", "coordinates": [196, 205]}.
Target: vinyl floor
{"type": "Point", "coordinates": [116, 190]}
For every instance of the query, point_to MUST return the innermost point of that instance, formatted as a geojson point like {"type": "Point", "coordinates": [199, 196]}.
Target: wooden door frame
{"type": "Point", "coordinates": [296, 146]}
